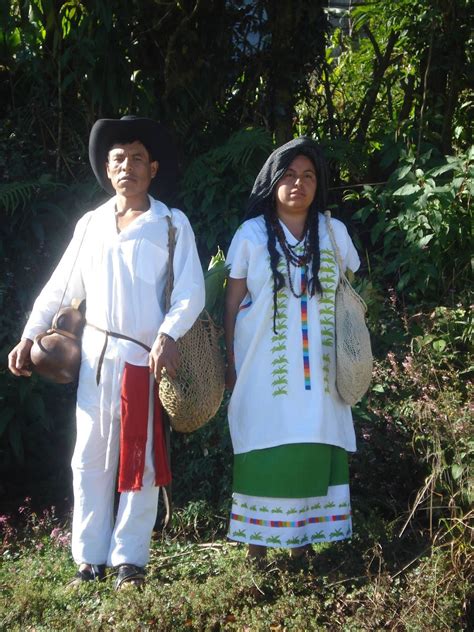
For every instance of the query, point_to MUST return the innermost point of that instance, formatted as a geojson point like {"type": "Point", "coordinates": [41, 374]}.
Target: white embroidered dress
{"type": "Point", "coordinates": [275, 402]}
{"type": "Point", "coordinates": [285, 391]}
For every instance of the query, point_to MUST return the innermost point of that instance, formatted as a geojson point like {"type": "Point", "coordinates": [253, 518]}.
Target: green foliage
{"type": "Point", "coordinates": [215, 279]}
{"type": "Point", "coordinates": [416, 421]}
{"type": "Point", "coordinates": [217, 184]}
{"type": "Point", "coordinates": [202, 466]}
{"type": "Point", "coordinates": [420, 224]}
{"type": "Point", "coordinates": [22, 416]}
{"type": "Point", "coordinates": [395, 71]}
{"type": "Point", "coordinates": [35, 417]}
{"type": "Point", "coordinates": [220, 76]}
{"type": "Point", "coordinates": [369, 584]}
{"type": "Point", "coordinates": [15, 196]}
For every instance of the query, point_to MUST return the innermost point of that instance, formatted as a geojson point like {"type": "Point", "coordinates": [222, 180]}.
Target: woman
{"type": "Point", "coordinates": [290, 430]}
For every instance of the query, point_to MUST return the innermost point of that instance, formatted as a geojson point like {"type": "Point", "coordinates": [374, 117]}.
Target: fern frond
{"type": "Point", "coordinates": [15, 196]}
{"type": "Point", "coordinates": [237, 153]}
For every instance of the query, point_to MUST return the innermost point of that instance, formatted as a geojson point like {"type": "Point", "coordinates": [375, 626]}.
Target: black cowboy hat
{"type": "Point", "coordinates": [106, 132]}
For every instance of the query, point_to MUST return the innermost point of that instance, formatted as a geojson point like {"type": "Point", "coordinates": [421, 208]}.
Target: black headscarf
{"type": "Point", "coordinates": [261, 202]}
{"type": "Point", "coordinates": [276, 165]}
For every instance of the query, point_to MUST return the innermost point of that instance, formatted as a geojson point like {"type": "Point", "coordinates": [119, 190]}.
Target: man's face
{"type": "Point", "coordinates": [129, 169]}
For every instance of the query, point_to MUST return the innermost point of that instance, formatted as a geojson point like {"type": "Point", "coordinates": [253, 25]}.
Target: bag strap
{"type": "Point", "coordinates": [342, 275]}
{"type": "Point", "coordinates": [171, 248]}
{"type": "Point", "coordinates": [72, 268]}
{"type": "Point", "coordinates": [167, 490]}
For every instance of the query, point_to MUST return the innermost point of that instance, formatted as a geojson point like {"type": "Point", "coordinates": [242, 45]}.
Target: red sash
{"type": "Point", "coordinates": [133, 431]}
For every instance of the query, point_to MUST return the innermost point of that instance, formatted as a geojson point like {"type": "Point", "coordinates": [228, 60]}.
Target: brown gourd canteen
{"type": "Point", "coordinates": [56, 353]}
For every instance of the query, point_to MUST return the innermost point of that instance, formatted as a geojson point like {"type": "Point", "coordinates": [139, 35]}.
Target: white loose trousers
{"type": "Point", "coordinates": [95, 537]}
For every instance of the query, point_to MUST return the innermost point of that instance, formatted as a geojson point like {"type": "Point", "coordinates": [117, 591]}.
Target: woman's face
{"type": "Point", "coordinates": [297, 187]}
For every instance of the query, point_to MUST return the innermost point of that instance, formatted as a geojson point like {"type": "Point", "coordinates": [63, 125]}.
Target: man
{"type": "Point", "coordinates": [117, 260]}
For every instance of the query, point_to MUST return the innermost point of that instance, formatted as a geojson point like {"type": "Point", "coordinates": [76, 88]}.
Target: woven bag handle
{"type": "Point", "coordinates": [327, 215]}
{"type": "Point", "coordinates": [170, 277]}
{"type": "Point", "coordinates": [342, 275]}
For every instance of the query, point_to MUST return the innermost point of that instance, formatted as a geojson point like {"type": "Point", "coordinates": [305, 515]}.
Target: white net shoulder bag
{"type": "Point", "coordinates": [353, 350]}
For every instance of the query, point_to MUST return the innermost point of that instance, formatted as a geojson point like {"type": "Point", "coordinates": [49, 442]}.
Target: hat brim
{"type": "Point", "coordinates": [107, 132]}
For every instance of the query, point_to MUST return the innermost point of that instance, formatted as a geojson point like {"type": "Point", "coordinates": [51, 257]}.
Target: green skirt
{"type": "Point", "coordinates": [290, 496]}
{"type": "Point", "coordinates": [300, 470]}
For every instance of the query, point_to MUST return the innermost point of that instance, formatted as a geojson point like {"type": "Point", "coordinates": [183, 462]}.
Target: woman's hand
{"type": "Point", "coordinates": [164, 355]}
{"type": "Point", "coordinates": [230, 377]}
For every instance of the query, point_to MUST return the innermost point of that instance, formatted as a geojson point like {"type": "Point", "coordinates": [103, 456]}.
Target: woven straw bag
{"type": "Point", "coordinates": [353, 350]}
{"type": "Point", "coordinates": [194, 397]}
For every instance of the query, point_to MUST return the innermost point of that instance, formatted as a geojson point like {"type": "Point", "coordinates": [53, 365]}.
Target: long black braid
{"type": "Point", "coordinates": [278, 278]}
{"type": "Point", "coordinates": [314, 284]}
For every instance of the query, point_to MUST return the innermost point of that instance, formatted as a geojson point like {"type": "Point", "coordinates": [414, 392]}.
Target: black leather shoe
{"type": "Point", "coordinates": [96, 572]}
{"type": "Point", "coordinates": [129, 575]}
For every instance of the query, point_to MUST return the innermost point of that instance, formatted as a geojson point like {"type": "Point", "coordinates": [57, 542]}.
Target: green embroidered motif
{"type": "Point", "coordinates": [278, 337]}
{"type": "Point", "coordinates": [241, 533]}
{"type": "Point", "coordinates": [337, 533]}
{"type": "Point", "coordinates": [279, 341]}
{"type": "Point", "coordinates": [293, 541]}
{"type": "Point", "coordinates": [327, 277]}
{"type": "Point", "coordinates": [327, 257]}
{"type": "Point", "coordinates": [257, 536]}
{"type": "Point", "coordinates": [274, 539]}
{"type": "Point", "coordinates": [319, 535]}
{"type": "Point", "coordinates": [280, 347]}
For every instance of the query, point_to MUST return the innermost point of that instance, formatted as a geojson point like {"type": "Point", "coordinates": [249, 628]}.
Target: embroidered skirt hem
{"type": "Point", "coordinates": [291, 522]}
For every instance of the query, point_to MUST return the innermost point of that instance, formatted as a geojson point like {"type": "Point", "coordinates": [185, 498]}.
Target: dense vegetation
{"type": "Point", "coordinates": [389, 97]}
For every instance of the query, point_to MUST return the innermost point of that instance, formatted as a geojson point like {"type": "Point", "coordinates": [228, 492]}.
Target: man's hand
{"type": "Point", "coordinates": [19, 358]}
{"type": "Point", "coordinates": [164, 354]}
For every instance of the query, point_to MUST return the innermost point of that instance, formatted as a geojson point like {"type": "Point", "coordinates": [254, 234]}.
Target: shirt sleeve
{"type": "Point", "coordinates": [349, 256]}
{"type": "Point", "coordinates": [238, 255]}
{"type": "Point", "coordinates": [64, 285]}
{"type": "Point", "coordinates": [187, 297]}
{"type": "Point", "coordinates": [351, 259]}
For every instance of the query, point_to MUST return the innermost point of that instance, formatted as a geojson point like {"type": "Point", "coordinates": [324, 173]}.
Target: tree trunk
{"type": "Point", "coordinates": [291, 23]}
